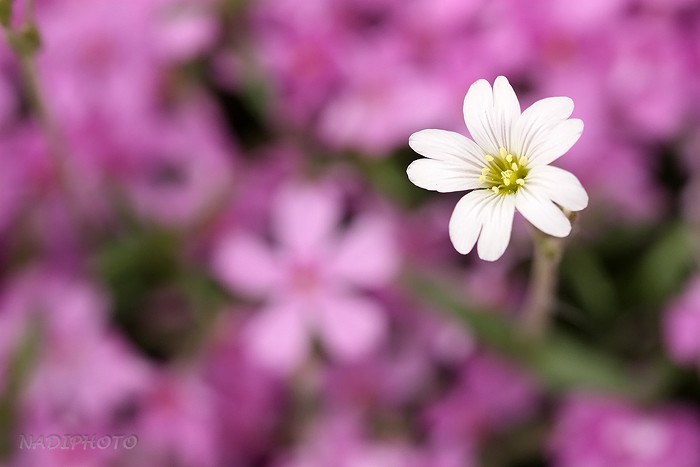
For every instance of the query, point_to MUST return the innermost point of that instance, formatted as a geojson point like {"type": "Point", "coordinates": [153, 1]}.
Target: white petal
{"type": "Point", "coordinates": [506, 110]}
{"type": "Point", "coordinates": [447, 146]}
{"type": "Point", "coordinates": [550, 145]}
{"type": "Point", "coordinates": [442, 176]}
{"type": "Point", "coordinates": [560, 186]}
{"type": "Point", "coordinates": [541, 212]}
{"type": "Point", "coordinates": [467, 219]}
{"type": "Point", "coordinates": [478, 105]}
{"type": "Point", "coordinates": [498, 224]}
{"type": "Point", "coordinates": [490, 114]}
{"type": "Point", "coordinates": [540, 117]}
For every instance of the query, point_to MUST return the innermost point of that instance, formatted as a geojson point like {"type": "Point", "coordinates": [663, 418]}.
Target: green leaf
{"type": "Point", "coordinates": [558, 361]}
{"type": "Point", "coordinates": [6, 12]}
{"type": "Point", "coordinates": [589, 282]}
{"type": "Point", "coordinates": [18, 370]}
{"type": "Point", "coordinates": [663, 269]}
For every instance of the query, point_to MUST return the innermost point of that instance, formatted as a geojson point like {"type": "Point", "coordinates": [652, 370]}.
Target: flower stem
{"type": "Point", "coordinates": [540, 301]}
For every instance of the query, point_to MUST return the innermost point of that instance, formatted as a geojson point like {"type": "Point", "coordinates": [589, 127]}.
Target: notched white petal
{"type": "Point", "coordinates": [551, 144]}
{"type": "Point", "coordinates": [467, 219]}
{"type": "Point", "coordinates": [441, 176]}
{"type": "Point", "coordinates": [504, 99]}
{"type": "Point", "coordinates": [498, 223]}
{"type": "Point", "coordinates": [446, 146]}
{"type": "Point", "coordinates": [478, 115]}
{"type": "Point", "coordinates": [506, 112]}
{"type": "Point", "coordinates": [537, 121]}
{"type": "Point", "coordinates": [560, 186]}
{"type": "Point", "coordinates": [550, 109]}
{"type": "Point", "coordinates": [542, 213]}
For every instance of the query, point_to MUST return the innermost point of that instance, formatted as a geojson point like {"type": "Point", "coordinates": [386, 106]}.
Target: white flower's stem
{"type": "Point", "coordinates": [540, 301]}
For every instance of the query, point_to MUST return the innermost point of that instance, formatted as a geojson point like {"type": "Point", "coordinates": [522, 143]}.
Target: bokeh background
{"type": "Point", "coordinates": [208, 240]}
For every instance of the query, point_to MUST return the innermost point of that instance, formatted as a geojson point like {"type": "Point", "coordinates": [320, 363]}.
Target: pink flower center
{"type": "Point", "coordinates": [305, 277]}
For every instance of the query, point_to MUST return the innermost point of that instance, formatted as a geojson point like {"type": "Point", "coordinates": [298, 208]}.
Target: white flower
{"type": "Point", "coordinates": [506, 166]}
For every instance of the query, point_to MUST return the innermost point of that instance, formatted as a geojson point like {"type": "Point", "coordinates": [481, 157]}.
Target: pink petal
{"type": "Point", "coordinates": [350, 326]}
{"type": "Point", "coordinates": [304, 217]}
{"type": "Point", "coordinates": [277, 338]}
{"type": "Point", "coordinates": [367, 255]}
{"type": "Point", "coordinates": [245, 264]}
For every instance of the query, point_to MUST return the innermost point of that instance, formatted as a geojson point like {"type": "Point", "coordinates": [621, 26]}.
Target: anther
{"type": "Point", "coordinates": [514, 166]}
{"type": "Point", "coordinates": [494, 189]}
{"type": "Point", "coordinates": [522, 160]}
{"type": "Point", "coordinates": [506, 181]}
{"type": "Point", "coordinates": [509, 157]}
{"type": "Point", "coordinates": [482, 179]}
{"type": "Point", "coordinates": [485, 171]}
{"type": "Point", "coordinates": [504, 153]}
{"type": "Point", "coordinates": [520, 182]}
{"type": "Point", "coordinates": [489, 158]}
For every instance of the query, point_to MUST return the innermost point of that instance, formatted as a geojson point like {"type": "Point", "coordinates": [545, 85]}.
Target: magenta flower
{"type": "Point", "coordinates": [310, 279]}
{"type": "Point", "coordinates": [177, 421]}
{"type": "Point", "coordinates": [83, 370]}
{"type": "Point", "coordinates": [600, 432]}
{"type": "Point", "coordinates": [682, 326]}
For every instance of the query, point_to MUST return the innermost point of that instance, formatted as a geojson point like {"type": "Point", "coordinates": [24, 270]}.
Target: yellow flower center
{"type": "Point", "coordinates": [504, 173]}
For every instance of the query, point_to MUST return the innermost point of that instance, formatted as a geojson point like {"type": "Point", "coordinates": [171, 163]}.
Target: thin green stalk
{"type": "Point", "coordinates": [541, 298]}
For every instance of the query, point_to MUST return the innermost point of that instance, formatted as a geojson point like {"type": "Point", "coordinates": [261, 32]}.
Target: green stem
{"type": "Point", "coordinates": [539, 305]}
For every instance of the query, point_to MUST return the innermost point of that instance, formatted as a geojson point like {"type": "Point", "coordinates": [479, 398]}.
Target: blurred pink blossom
{"type": "Point", "coordinates": [247, 401]}
{"type": "Point", "coordinates": [682, 325]}
{"type": "Point", "coordinates": [310, 278]}
{"type": "Point", "coordinates": [177, 422]}
{"type": "Point", "coordinates": [604, 432]}
{"type": "Point", "coordinates": [490, 395]}
{"type": "Point", "coordinates": [338, 440]}
{"type": "Point", "coordinates": [83, 371]}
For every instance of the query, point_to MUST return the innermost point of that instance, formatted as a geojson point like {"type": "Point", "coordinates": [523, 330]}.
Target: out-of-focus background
{"type": "Point", "coordinates": [208, 242]}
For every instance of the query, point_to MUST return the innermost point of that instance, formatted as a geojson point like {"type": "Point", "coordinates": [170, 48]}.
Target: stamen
{"type": "Point", "coordinates": [504, 173]}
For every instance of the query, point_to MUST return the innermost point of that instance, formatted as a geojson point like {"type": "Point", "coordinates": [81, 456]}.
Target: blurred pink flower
{"type": "Point", "coordinates": [97, 61]}
{"type": "Point", "coordinates": [310, 278]}
{"type": "Point", "coordinates": [247, 400]}
{"type": "Point", "coordinates": [339, 441]}
{"type": "Point", "coordinates": [491, 394]}
{"type": "Point", "coordinates": [74, 382]}
{"type": "Point", "coordinates": [682, 325]}
{"type": "Point", "coordinates": [599, 432]}
{"type": "Point", "coordinates": [177, 422]}
{"type": "Point", "coordinates": [184, 169]}
{"type": "Point", "coordinates": [648, 76]}
{"type": "Point", "coordinates": [375, 110]}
